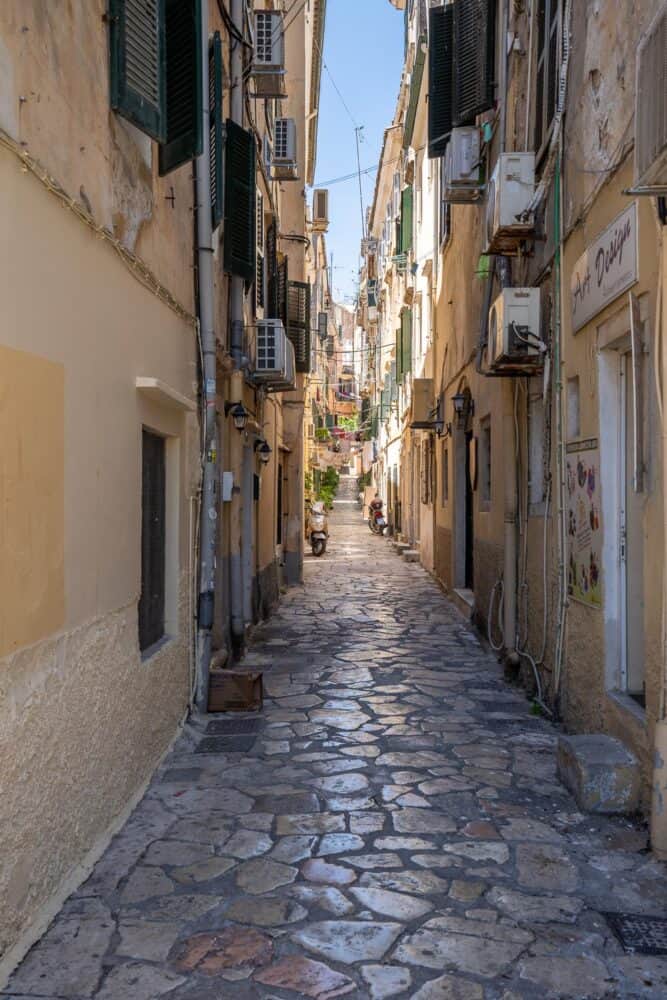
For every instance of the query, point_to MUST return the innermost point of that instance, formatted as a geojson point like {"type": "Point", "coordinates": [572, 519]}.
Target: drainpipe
{"type": "Point", "coordinates": [504, 271]}
{"type": "Point", "coordinates": [236, 346]}
{"type": "Point", "coordinates": [209, 502]}
{"type": "Point", "coordinates": [659, 802]}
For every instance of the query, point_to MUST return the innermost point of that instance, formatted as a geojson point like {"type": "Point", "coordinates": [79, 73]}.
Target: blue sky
{"type": "Point", "coordinates": [363, 50]}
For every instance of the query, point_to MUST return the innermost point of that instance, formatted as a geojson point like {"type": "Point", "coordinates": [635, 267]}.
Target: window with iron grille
{"type": "Point", "coordinates": [546, 82]}
{"type": "Point", "coordinates": [259, 282]}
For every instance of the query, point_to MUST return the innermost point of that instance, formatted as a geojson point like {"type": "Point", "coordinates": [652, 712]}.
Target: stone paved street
{"type": "Point", "coordinates": [396, 830]}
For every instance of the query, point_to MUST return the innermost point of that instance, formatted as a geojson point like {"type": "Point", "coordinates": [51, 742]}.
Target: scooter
{"type": "Point", "coordinates": [318, 529]}
{"type": "Point", "coordinates": [376, 519]}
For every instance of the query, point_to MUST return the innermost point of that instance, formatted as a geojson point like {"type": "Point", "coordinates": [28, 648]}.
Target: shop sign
{"type": "Point", "coordinates": [584, 535]}
{"type": "Point", "coordinates": [606, 269]}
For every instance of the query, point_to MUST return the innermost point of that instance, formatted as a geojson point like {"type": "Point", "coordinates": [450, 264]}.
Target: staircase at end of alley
{"type": "Point", "coordinates": [395, 828]}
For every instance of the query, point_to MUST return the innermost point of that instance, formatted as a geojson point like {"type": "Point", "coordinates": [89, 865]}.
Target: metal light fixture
{"type": "Point", "coordinates": [463, 407]}
{"type": "Point", "coordinates": [263, 450]}
{"type": "Point", "coordinates": [239, 414]}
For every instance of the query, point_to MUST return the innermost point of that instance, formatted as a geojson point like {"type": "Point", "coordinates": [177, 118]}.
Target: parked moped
{"type": "Point", "coordinates": [318, 528]}
{"type": "Point", "coordinates": [377, 522]}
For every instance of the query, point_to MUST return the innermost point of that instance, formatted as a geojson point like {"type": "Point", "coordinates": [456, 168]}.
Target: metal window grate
{"type": "Point", "coordinates": [640, 934]}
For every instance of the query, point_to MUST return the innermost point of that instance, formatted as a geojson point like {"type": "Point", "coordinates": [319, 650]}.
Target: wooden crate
{"type": "Point", "coordinates": [235, 691]}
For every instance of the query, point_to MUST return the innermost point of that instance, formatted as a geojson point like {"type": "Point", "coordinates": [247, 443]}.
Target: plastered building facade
{"type": "Point", "coordinates": [100, 414]}
{"type": "Point", "coordinates": [541, 507]}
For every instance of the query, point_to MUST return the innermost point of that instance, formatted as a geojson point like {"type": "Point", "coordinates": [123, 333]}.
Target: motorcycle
{"type": "Point", "coordinates": [376, 520]}
{"type": "Point", "coordinates": [318, 529]}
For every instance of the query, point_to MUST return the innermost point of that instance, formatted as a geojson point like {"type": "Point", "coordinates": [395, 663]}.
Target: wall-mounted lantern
{"type": "Point", "coordinates": [464, 408]}
{"type": "Point", "coordinates": [239, 414]}
{"type": "Point", "coordinates": [264, 450]}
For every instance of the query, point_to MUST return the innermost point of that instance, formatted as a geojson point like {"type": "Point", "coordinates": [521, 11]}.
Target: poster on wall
{"type": "Point", "coordinates": [584, 537]}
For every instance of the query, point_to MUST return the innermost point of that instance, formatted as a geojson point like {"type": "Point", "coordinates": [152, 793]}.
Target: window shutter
{"type": "Point", "coordinates": [440, 74]}
{"type": "Point", "coordinates": [406, 336]}
{"type": "Point", "coordinates": [281, 285]}
{"type": "Point", "coordinates": [239, 239]}
{"type": "Point", "coordinates": [298, 322]}
{"type": "Point", "coordinates": [474, 58]}
{"type": "Point", "coordinates": [272, 272]}
{"type": "Point", "coordinates": [184, 82]}
{"type": "Point", "coordinates": [399, 353]}
{"type": "Point", "coordinates": [215, 127]}
{"type": "Point", "coordinates": [137, 64]}
{"type": "Point", "coordinates": [406, 219]}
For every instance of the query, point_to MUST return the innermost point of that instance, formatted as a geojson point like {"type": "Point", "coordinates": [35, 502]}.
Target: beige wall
{"type": "Point", "coordinates": [83, 720]}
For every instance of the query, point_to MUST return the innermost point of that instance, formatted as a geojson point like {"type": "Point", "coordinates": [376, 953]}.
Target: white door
{"type": "Point", "coordinates": [631, 545]}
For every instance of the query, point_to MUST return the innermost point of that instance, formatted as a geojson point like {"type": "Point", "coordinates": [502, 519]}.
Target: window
{"type": "Point", "coordinates": [445, 210]}
{"type": "Point", "coordinates": [573, 418]}
{"type": "Point", "coordinates": [536, 453]}
{"type": "Point", "coordinates": [298, 322]}
{"type": "Point", "coordinates": [546, 84]}
{"type": "Point", "coordinates": [485, 462]}
{"type": "Point", "coordinates": [153, 539]}
{"type": "Point", "coordinates": [427, 457]}
{"type": "Point", "coordinates": [444, 493]}
{"type": "Point", "coordinates": [406, 220]}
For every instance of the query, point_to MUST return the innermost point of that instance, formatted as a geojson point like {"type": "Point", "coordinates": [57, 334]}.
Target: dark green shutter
{"type": "Point", "coordinates": [240, 202]}
{"type": "Point", "coordinates": [215, 127]}
{"type": "Point", "coordinates": [137, 64]}
{"type": "Point", "coordinates": [298, 322]}
{"type": "Point", "coordinates": [440, 77]}
{"type": "Point", "coordinates": [399, 352]}
{"type": "Point", "coordinates": [406, 219]}
{"type": "Point", "coordinates": [406, 338]}
{"type": "Point", "coordinates": [272, 271]}
{"type": "Point", "coordinates": [474, 59]}
{"type": "Point", "coordinates": [184, 84]}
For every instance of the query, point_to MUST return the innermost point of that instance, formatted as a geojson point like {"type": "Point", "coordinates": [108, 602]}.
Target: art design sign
{"type": "Point", "coordinates": [606, 269]}
{"type": "Point", "coordinates": [584, 536]}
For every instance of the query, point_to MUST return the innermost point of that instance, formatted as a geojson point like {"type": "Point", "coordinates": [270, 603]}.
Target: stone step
{"type": "Point", "coordinates": [600, 772]}
{"type": "Point", "coordinates": [464, 599]}
{"type": "Point", "coordinates": [402, 547]}
{"type": "Point", "coordinates": [411, 555]}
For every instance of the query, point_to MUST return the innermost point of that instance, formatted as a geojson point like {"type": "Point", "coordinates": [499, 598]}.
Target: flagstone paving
{"type": "Point", "coordinates": [396, 831]}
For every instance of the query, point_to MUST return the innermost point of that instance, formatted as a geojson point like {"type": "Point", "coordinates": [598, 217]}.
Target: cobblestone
{"type": "Point", "coordinates": [397, 830]}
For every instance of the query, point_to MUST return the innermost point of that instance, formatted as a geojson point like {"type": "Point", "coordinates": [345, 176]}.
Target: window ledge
{"type": "Point", "coordinates": [157, 647]}
{"type": "Point", "coordinates": [162, 393]}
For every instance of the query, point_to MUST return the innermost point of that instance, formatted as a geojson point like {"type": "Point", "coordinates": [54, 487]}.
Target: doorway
{"type": "Point", "coordinates": [469, 520]}
{"type": "Point", "coordinates": [631, 534]}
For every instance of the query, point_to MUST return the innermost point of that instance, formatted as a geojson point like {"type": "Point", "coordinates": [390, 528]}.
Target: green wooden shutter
{"type": "Point", "coordinates": [184, 84]}
{"type": "Point", "coordinates": [399, 352]}
{"type": "Point", "coordinates": [298, 322]}
{"type": "Point", "coordinates": [474, 58]}
{"type": "Point", "coordinates": [215, 127]}
{"type": "Point", "coordinates": [281, 295]}
{"type": "Point", "coordinates": [440, 78]}
{"type": "Point", "coordinates": [138, 64]}
{"type": "Point", "coordinates": [272, 271]}
{"type": "Point", "coordinates": [240, 202]}
{"type": "Point", "coordinates": [406, 219]}
{"type": "Point", "coordinates": [406, 337]}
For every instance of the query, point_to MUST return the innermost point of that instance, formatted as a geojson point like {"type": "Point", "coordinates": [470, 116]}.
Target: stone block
{"type": "Point", "coordinates": [401, 547]}
{"type": "Point", "coordinates": [411, 555]}
{"type": "Point", "coordinates": [600, 772]}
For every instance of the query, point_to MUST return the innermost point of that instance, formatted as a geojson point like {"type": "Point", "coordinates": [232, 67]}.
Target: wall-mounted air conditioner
{"type": "Point", "coordinates": [463, 166]}
{"type": "Point", "coordinates": [322, 325]}
{"type": "Point", "coordinates": [284, 163]}
{"type": "Point", "coordinates": [651, 107]}
{"type": "Point", "coordinates": [320, 210]}
{"type": "Point", "coordinates": [268, 63]}
{"type": "Point", "coordinates": [509, 194]}
{"type": "Point", "coordinates": [270, 350]}
{"type": "Point", "coordinates": [288, 381]}
{"type": "Point", "coordinates": [515, 344]}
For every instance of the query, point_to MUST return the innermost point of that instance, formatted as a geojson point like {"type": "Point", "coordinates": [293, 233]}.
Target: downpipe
{"type": "Point", "coordinates": [209, 504]}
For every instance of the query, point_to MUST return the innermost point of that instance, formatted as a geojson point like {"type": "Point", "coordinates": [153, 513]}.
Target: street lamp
{"type": "Point", "coordinates": [463, 407]}
{"type": "Point", "coordinates": [239, 414]}
{"type": "Point", "coordinates": [263, 450]}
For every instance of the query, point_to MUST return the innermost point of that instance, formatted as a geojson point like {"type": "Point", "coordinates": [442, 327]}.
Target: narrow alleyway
{"type": "Point", "coordinates": [395, 829]}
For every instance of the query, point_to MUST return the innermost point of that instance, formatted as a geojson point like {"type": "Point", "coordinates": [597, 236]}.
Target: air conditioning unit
{"type": "Point", "coordinates": [509, 194]}
{"type": "Point", "coordinates": [463, 166]}
{"type": "Point", "coordinates": [322, 325]}
{"type": "Point", "coordinates": [268, 64]}
{"type": "Point", "coordinates": [515, 345]}
{"type": "Point", "coordinates": [284, 163]}
{"type": "Point", "coordinates": [270, 351]}
{"type": "Point", "coordinates": [288, 382]}
{"type": "Point", "coordinates": [651, 107]}
{"type": "Point", "coordinates": [320, 210]}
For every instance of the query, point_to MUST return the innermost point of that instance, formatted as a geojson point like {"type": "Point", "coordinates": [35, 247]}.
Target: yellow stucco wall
{"type": "Point", "coordinates": [32, 473]}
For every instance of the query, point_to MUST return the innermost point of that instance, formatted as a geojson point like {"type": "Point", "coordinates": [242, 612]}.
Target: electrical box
{"type": "Point", "coordinates": [227, 486]}
{"type": "Point", "coordinates": [509, 194]}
